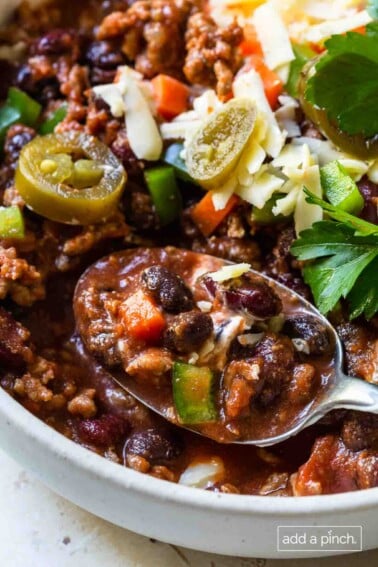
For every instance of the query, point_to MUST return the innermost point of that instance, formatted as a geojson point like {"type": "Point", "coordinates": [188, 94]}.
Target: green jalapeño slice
{"type": "Point", "coordinates": [216, 148]}
{"type": "Point", "coordinates": [71, 178]}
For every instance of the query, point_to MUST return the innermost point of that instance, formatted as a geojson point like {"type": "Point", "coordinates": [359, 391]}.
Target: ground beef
{"type": "Point", "coordinates": [334, 468]}
{"type": "Point", "coordinates": [83, 404]}
{"type": "Point", "coordinates": [19, 279]}
{"type": "Point", "coordinates": [360, 431]}
{"type": "Point", "coordinates": [283, 267]}
{"type": "Point", "coordinates": [361, 350]}
{"type": "Point", "coordinates": [234, 249]}
{"type": "Point", "coordinates": [14, 349]}
{"type": "Point", "coordinates": [212, 53]}
{"type": "Point", "coordinates": [151, 34]}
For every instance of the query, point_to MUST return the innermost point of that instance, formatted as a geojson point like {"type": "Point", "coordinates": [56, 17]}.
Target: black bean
{"type": "Point", "coordinates": [168, 289]}
{"type": "Point", "coordinates": [56, 42]}
{"type": "Point", "coordinates": [157, 446]}
{"type": "Point", "coordinates": [105, 55]}
{"type": "Point", "coordinates": [188, 331]}
{"type": "Point", "coordinates": [310, 330]}
{"type": "Point", "coordinates": [17, 137]}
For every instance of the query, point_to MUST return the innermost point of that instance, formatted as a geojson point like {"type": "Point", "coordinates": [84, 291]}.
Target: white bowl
{"type": "Point", "coordinates": [220, 523]}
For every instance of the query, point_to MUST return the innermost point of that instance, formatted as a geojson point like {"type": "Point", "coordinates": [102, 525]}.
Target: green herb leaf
{"type": "Point", "coordinates": [345, 84]}
{"type": "Point", "coordinates": [365, 288]}
{"type": "Point", "coordinates": [360, 226]}
{"type": "Point", "coordinates": [372, 8]}
{"type": "Point", "coordinates": [340, 261]}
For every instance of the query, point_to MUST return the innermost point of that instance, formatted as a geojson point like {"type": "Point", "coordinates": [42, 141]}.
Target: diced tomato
{"type": "Point", "coordinates": [206, 217]}
{"type": "Point", "coordinates": [251, 44]}
{"type": "Point", "coordinates": [141, 317]}
{"type": "Point", "coordinates": [272, 83]}
{"type": "Point", "coordinates": [171, 96]}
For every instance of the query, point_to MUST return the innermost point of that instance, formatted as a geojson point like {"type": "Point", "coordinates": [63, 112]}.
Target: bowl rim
{"type": "Point", "coordinates": [37, 431]}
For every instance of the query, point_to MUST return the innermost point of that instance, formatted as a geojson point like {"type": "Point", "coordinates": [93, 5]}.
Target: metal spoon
{"type": "Point", "coordinates": [337, 390]}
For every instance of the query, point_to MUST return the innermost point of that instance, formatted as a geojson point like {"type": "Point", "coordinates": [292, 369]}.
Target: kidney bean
{"type": "Point", "coordinates": [369, 191]}
{"type": "Point", "coordinates": [256, 297]}
{"type": "Point", "coordinates": [102, 431]}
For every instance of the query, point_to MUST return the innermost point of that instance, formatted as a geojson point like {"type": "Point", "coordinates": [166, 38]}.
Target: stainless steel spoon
{"type": "Point", "coordinates": [337, 392]}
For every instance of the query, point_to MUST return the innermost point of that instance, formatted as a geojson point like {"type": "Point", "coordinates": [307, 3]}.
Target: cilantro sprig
{"type": "Point", "coordinates": [345, 83]}
{"type": "Point", "coordinates": [342, 257]}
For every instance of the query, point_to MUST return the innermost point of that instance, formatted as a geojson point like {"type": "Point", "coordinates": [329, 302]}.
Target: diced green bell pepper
{"type": "Point", "coordinates": [19, 107]}
{"type": "Point", "coordinates": [11, 222]}
{"type": "Point", "coordinates": [340, 189]}
{"type": "Point", "coordinates": [165, 194]}
{"type": "Point", "coordinates": [265, 215]}
{"type": "Point", "coordinates": [172, 156]}
{"type": "Point", "coordinates": [8, 117]}
{"type": "Point", "coordinates": [28, 108]}
{"type": "Point", "coordinates": [193, 393]}
{"type": "Point", "coordinates": [48, 126]}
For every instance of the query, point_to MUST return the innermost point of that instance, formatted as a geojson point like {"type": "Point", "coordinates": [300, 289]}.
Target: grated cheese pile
{"type": "Point", "coordinates": [276, 159]}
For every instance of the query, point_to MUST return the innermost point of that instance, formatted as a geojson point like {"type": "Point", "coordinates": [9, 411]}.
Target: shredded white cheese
{"type": "Point", "coordinates": [229, 272]}
{"type": "Point", "coordinates": [127, 97]}
{"type": "Point", "coordinates": [320, 32]}
{"type": "Point", "coordinates": [249, 85]}
{"type": "Point", "coordinates": [273, 36]}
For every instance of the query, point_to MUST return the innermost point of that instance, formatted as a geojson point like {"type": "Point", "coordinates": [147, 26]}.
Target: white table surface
{"type": "Point", "coordinates": [40, 529]}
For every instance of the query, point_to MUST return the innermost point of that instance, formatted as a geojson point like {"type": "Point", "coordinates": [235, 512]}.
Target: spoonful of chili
{"type": "Point", "coordinates": [214, 347]}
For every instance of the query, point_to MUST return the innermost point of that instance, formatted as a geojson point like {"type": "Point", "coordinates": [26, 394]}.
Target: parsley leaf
{"type": "Point", "coordinates": [341, 261]}
{"type": "Point", "coordinates": [366, 287]}
{"type": "Point", "coordinates": [345, 84]}
{"type": "Point", "coordinates": [361, 227]}
{"type": "Point", "coordinates": [372, 8]}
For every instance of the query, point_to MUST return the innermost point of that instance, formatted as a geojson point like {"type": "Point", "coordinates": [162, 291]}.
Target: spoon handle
{"type": "Point", "coordinates": [355, 394]}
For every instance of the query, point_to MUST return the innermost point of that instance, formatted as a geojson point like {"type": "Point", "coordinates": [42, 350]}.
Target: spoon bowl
{"type": "Point", "coordinates": [264, 426]}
